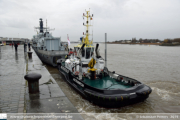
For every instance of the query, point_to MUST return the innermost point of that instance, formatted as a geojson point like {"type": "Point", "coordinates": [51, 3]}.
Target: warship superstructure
{"type": "Point", "coordinates": [48, 48]}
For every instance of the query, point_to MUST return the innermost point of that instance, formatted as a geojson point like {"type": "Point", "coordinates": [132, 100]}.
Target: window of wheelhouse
{"type": "Point", "coordinates": [92, 50]}
{"type": "Point", "coordinates": [83, 52]}
{"type": "Point", "coordinates": [88, 53]}
{"type": "Point", "coordinates": [75, 49]}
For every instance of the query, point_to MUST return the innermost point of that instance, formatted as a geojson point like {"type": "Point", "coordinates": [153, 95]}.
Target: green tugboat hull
{"type": "Point", "coordinates": [108, 92]}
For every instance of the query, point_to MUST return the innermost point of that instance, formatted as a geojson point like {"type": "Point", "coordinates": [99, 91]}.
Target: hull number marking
{"type": "Point", "coordinates": [82, 85]}
{"type": "Point", "coordinates": [65, 69]}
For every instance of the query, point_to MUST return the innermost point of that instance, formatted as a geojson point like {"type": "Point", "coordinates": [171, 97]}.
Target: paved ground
{"type": "Point", "coordinates": [14, 95]}
{"type": "Point", "coordinates": [12, 83]}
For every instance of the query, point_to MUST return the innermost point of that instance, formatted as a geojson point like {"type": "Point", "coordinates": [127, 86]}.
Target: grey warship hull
{"type": "Point", "coordinates": [50, 57]}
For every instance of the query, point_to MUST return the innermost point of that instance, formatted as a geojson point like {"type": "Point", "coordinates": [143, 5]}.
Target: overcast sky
{"type": "Point", "coordinates": [120, 19]}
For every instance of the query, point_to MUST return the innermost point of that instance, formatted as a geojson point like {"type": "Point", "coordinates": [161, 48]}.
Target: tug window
{"type": "Point", "coordinates": [92, 50]}
{"type": "Point", "coordinates": [75, 49]}
{"type": "Point", "coordinates": [88, 51]}
{"type": "Point", "coordinates": [83, 52]}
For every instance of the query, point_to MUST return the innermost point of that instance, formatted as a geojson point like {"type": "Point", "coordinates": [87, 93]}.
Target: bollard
{"type": "Point", "coordinates": [33, 82]}
{"type": "Point", "coordinates": [30, 55]}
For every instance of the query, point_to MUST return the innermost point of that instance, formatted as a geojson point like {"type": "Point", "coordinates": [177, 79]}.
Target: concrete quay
{"type": "Point", "coordinates": [12, 83]}
{"type": "Point", "coordinates": [14, 95]}
{"type": "Point", "coordinates": [50, 99]}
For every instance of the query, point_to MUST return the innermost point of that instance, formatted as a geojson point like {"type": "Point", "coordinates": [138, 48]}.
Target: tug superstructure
{"type": "Point", "coordinates": [83, 60]}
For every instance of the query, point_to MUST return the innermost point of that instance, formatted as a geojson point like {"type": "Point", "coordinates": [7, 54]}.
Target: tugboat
{"type": "Point", "coordinates": [48, 48]}
{"type": "Point", "coordinates": [89, 75]}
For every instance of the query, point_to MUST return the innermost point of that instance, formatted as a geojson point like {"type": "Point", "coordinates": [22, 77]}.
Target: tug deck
{"type": "Point", "coordinates": [106, 83]}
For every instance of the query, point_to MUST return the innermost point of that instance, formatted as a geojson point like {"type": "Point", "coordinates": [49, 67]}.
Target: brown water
{"type": "Point", "coordinates": [156, 66]}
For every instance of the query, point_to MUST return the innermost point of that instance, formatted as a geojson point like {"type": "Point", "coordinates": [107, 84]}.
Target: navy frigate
{"type": "Point", "coordinates": [48, 48]}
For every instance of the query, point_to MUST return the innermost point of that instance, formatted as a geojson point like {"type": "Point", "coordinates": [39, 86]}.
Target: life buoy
{"type": "Point", "coordinates": [76, 73]}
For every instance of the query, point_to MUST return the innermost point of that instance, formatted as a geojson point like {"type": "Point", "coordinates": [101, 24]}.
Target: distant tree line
{"type": "Point", "coordinates": [139, 41]}
{"type": "Point", "coordinates": [134, 40]}
{"type": "Point", "coordinates": [177, 40]}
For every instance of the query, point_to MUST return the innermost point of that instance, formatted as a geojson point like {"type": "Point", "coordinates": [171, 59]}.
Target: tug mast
{"type": "Point", "coordinates": [86, 39]}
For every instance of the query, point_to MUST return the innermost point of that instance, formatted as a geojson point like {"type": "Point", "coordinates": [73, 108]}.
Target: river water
{"type": "Point", "coordinates": [156, 66]}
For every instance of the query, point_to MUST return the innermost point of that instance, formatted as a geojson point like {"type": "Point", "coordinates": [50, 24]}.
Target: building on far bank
{"type": "Point", "coordinates": [8, 41]}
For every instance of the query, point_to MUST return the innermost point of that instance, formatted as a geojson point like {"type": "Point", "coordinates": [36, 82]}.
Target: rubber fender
{"type": "Point", "coordinates": [122, 97]}
{"type": "Point", "coordinates": [117, 98]}
{"type": "Point", "coordinates": [149, 91]}
{"type": "Point", "coordinates": [125, 97]}
{"type": "Point", "coordinates": [144, 93]}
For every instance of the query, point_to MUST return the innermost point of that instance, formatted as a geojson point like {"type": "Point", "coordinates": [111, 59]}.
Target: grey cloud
{"type": "Point", "coordinates": [121, 19]}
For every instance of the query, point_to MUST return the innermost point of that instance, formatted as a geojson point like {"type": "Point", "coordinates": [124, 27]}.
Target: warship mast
{"type": "Point", "coordinates": [41, 25]}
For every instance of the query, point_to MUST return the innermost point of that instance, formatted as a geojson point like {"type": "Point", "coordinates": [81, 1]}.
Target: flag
{"type": "Point", "coordinates": [68, 39]}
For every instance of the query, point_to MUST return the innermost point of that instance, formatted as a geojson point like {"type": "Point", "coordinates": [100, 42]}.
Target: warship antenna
{"type": "Point", "coordinates": [106, 50]}
{"type": "Point", "coordinates": [35, 30]}
{"type": "Point", "coordinates": [46, 25]}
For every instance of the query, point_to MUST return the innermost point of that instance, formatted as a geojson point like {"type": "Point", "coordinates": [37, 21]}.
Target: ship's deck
{"type": "Point", "coordinates": [106, 83]}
